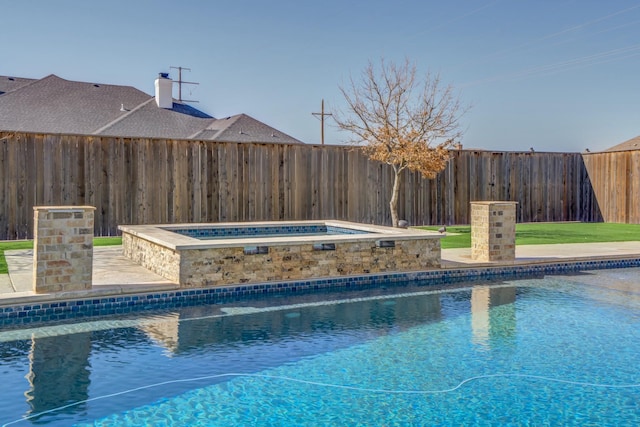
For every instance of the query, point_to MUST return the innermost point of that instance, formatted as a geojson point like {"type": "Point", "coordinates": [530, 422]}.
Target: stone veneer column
{"type": "Point", "coordinates": [63, 248]}
{"type": "Point", "coordinates": [493, 231]}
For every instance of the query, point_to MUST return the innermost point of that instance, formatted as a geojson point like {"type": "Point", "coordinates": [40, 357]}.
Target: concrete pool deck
{"type": "Point", "coordinates": [114, 274]}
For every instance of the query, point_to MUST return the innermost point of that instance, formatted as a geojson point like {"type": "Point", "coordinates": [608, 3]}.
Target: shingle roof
{"type": "Point", "coordinates": [8, 83]}
{"type": "Point", "coordinates": [630, 145]}
{"type": "Point", "coordinates": [149, 121]}
{"type": "Point", "coordinates": [243, 128]}
{"type": "Point", "coordinates": [55, 105]}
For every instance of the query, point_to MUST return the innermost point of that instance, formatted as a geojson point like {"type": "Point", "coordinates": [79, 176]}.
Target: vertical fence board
{"type": "Point", "coordinates": [634, 187]}
{"type": "Point", "coordinates": [4, 183]}
{"type": "Point", "coordinates": [277, 183]}
{"type": "Point", "coordinates": [25, 194]}
{"type": "Point", "coordinates": [135, 180]}
{"type": "Point", "coordinates": [11, 167]}
{"type": "Point", "coordinates": [212, 183]}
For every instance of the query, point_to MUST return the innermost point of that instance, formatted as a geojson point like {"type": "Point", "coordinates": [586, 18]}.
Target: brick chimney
{"type": "Point", "coordinates": [164, 91]}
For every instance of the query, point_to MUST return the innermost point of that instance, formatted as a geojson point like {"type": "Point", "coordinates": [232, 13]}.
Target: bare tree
{"type": "Point", "coordinates": [404, 122]}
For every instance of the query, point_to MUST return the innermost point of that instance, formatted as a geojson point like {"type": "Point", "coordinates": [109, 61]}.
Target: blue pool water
{"type": "Point", "coordinates": [559, 350]}
{"type": "Point", "coordinates": [213, 232]}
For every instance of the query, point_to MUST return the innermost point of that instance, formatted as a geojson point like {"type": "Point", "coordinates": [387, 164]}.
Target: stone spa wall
{"type": "Point", "coordinates": [278, 259]}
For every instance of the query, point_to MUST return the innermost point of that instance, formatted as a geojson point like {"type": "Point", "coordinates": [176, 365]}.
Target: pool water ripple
{"type": "Point", "coordinates": [545, 351]}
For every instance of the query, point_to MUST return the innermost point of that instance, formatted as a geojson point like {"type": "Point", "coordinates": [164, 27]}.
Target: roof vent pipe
{"type": "Point", "coordinates": [164, 91]}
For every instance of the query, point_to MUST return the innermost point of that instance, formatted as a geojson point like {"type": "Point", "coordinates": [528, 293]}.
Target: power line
{"type": "Point", "coordinates": [573, 29]}
{"type": "Point", "coordinates": [322, 114]}
{"type": "Point", "coordinates": [599, 58]}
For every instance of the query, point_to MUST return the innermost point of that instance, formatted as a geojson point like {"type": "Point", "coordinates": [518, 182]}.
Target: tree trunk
{"type": "Point", "coordinates": [393, 203]}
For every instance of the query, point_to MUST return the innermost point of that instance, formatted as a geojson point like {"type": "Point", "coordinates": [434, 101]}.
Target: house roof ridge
{"type": "Point", "coordinates": [31, 83]}
{"type": "Point", "coordinates": [122, 117]}
{"type": "Point", "coordinates": [216, 121]}
{"type": "Point", "coordinates": [628, 145]}
{"type": "Point", "coordinates": [245, 126]}
{"type": "Point", "coordinates": [201, 131]}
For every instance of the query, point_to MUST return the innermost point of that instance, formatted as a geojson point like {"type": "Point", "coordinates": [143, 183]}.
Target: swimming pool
{"type": "Point", "coordinates": [558, 350]}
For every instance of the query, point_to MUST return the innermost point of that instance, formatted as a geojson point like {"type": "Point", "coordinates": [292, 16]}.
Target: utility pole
{"type": "Point", "coordinates": [322, 114]}
{"type": "Point", "coordinates": [181, 82]}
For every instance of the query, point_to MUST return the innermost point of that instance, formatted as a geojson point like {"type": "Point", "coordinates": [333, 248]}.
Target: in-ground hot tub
{"type": "Point", "coordinates": [199, 255]}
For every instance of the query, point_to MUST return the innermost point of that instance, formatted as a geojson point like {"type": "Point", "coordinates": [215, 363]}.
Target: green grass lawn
{"type": "Point", "coordinates": [550, 233]}
{"type": "Point", "coordinates": [28, 244]}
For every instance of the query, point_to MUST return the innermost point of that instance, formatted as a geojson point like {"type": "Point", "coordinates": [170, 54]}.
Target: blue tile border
{"type": "Point", "coordinates": [42, 312]}
{"type": "Point", "coordinates": [211, 232]}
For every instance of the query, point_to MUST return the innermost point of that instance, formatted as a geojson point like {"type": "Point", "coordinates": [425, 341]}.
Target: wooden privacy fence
{"type": "Point", "coordinates": [615, 177]}
{"type": "Point", "coordinates": [146, 181]}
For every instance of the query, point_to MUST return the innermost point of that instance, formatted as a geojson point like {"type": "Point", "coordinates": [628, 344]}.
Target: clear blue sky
{"type": "Point", "coordinates": [556, 75]}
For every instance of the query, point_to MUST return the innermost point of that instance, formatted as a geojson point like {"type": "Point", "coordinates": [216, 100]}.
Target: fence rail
{"type": "Point", "coordinates": [146, 181]}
